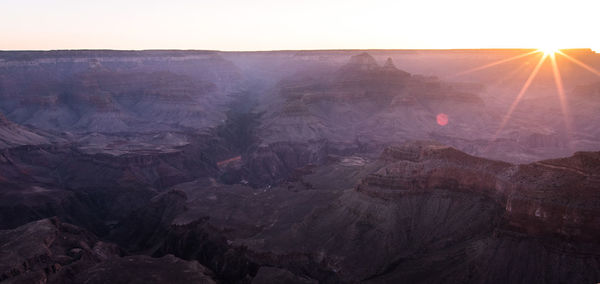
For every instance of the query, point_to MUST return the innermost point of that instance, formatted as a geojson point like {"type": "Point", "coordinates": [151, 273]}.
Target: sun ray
{"type": "Point", "coordinates": [510, 75]}
{"type": "Point", "coordinates": [576, 61]}
{"type": "Point", "coordinates": [493, 64]}
{"type": "Point", "coordinates": [562, 97]}
{"type": "Point", "coordinates": [520, 96]}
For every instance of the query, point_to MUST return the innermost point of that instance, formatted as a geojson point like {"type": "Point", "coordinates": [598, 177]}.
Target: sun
{"type": "Point", "coordinates": [548, 54]}
{"type": "Point", "coordinates": [549, 51]}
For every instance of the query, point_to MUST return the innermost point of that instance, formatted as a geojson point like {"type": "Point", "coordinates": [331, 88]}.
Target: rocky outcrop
{"type": "Point", "coordinates": [50, 251]}
{"type": "Point", "coordinates": [552, 197]}
{"type": "Point", "coordinates": [389, 64]}
{"type": "Point", "coordinates": [12, 134]}
{"type": "Point", "coordinates": [428, 166]}
{"type": "Point", "coordinates": [363, 61]}
{"type": "Point", "coordinates": [363, 69]}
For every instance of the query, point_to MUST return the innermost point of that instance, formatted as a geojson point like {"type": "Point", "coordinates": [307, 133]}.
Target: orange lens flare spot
{"type": "Point", "coordinates": [442, 119]}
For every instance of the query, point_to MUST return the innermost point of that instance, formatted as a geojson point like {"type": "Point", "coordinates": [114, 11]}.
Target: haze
{"type": "Point", "coordinates": [300, 142]}
{"type": "Point", "coordinates": [274, 25]}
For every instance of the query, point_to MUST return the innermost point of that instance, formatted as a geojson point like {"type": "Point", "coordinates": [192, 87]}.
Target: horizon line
{"type": "Point", "coordinates": [302, 50]}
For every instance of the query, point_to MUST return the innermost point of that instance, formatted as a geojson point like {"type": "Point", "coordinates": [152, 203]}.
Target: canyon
{"type": "Point", "coordinates": [171, 166]}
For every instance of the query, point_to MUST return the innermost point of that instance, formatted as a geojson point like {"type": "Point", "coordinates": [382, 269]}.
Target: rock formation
{"type": "Point", "coordinates": [295, 167]}
{"type": "Point", "coordinates": [50, 251]}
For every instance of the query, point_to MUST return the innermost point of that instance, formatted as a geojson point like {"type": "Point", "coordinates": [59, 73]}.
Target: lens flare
{"type": "Point", "coordinates": [442, 119]}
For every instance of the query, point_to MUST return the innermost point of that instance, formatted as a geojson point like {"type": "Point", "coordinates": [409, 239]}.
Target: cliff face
{"type": "Point", "coordinates": [555, 197]}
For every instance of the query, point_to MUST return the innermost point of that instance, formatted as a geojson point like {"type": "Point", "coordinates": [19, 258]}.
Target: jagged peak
{"type": "Point", "coordinates": [364, 63]}
{"type": "Point", "coordinates": [389, 64]}
{"type": "Point", "coordinates": [390, 67]}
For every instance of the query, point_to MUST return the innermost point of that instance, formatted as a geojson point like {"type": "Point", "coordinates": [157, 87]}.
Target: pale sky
{"type": "Point", "coordinates": [309, 24]}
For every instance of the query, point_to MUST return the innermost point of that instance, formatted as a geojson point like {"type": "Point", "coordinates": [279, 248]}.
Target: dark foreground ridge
{"type": "Point", "coordinates": [401, 216]}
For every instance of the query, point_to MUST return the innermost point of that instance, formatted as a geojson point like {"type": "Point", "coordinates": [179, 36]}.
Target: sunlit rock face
{"type": "Point", "coordinates": [295, 167]}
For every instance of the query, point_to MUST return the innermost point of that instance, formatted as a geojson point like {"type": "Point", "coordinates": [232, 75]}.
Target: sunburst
{"type": "Point", "coordinates": [520, 95]}
{"type": "Point", "coordinates": [547, 53]}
